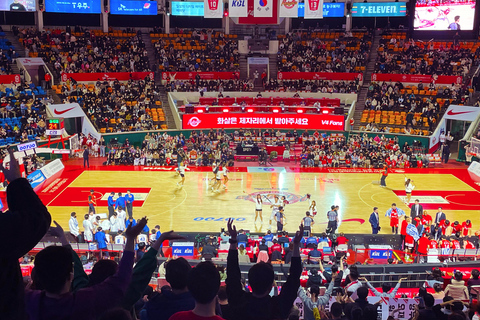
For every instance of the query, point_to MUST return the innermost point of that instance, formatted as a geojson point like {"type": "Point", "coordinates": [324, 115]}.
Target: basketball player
{"type": "Point", "coordinates": [181, 170]}
{"type": "Point", "coordinates": [120, 238]}
{"type": "Point", "coordinates": [275, 205]}
{"type": "Point", "coordinates": [394, 213]}
{"type": "Point", "coordinates": [225, 176]}
{"type": "Point", "coordinates": [284, 203]}
{"type": "Point", "coordinates": [88, 229]}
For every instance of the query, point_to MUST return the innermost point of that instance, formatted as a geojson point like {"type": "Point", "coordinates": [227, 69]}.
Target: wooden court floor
{"type": "Point", "coordinates": [194, 208]}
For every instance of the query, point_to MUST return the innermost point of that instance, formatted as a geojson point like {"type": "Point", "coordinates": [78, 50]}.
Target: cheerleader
{"type": "Point", "coordinates": [88, 229]}
{"type": "Point", "coordinates": [312, 208]}
{"type": "Point", "coordinates": [181, 170]}
{"type": "Point", "coordinates": [218, 178]}
{"type": "Point", "coordinates": [258, 208]}
{"type": "Point", "coordinates": [408, 190]}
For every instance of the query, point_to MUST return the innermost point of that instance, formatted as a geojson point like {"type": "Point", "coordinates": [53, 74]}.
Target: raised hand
{"type": "Point", "coordinates": [12, 173]}
{"type": "Point", "coordinates": [298, 235]}
{"type": "Point", "coordinates": [232, 230]}
{"type": "Point", "coordinates": [57, 231]}
{"type": "Point", "coordinates": [133, 232]}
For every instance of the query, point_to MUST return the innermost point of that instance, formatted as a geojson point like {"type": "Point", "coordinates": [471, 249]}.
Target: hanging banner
{"type": "Point", "coordinates": [313, 9]}
{"type": "Point", "coordinates": [252, 19]}
{"type": "Point", "coordinates": [263, 8]}
{"type": "Point", "coordinates": [213, 9]}
{"type": "Point", "coordinates": [238, 8]}
{"type": "Point", "coordinates": [289, 8]}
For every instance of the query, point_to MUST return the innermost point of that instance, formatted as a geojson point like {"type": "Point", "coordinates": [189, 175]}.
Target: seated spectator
{"type": "Point", "coordinates": [203, 283]}
{"type": "Point", "coordinates": [439, 293]}
{"type": "Point", "coordinates": [259, 304]}
{"type": "Point", "coordinates": [314, 256]}
{"type": "Point", "coordinates": [457, 289]}
{"type": "Point", "coordinates": [386, 287]}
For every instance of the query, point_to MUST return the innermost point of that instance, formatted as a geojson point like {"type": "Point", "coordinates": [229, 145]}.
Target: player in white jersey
{"type": "Point", "coordinates": [88, 229]}
{"type": "Point", "coordinates": [121, 217]}
{"type": "Point", "coordinates": [181, 170]}
{"type": "Point", "coordinates": [120, 238]}
{"type": "Point", "coordinates": [275, 205]}
{"type": "Point", "coordinates": [284, 202]}
{"type": "Point", "coordinates": [225, 174]}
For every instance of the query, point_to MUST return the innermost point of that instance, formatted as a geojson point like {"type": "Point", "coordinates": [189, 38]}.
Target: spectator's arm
{"type": "Point", "coordinates": [25, 211]}
{"type": "Point", "coordinates": [233, 282]}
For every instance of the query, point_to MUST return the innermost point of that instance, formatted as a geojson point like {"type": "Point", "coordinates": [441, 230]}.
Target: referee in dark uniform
{"type": "Point", "coordinates": [332, 216]}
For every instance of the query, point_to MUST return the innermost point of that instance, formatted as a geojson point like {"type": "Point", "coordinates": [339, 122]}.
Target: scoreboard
{"type": "Point", "coordinates": [55, 127]}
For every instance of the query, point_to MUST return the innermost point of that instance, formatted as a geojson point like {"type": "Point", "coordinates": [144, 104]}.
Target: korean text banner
{"type": "Point", "coordinates": [330, 9]}
{"type": "Point", "coordinates": [281, 121]}
{"type": "Point", "coordinates": [192, 9]}
{"type": "Point", "coordinates": [66, 6]}
{"type": "Point", "coordinates": [289, 8]}
{"type": "Point", "coordinates": [379, 9]}
{"type": "Point", "coordinates": [213, 8]}
{"type": "Point", "coordinates": [313, 9]}
{"type": "Point", "coordinates": [238, 8]}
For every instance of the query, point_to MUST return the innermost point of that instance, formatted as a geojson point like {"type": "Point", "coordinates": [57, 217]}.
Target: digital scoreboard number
{"type": "Point", "coordinates": [55, 127]}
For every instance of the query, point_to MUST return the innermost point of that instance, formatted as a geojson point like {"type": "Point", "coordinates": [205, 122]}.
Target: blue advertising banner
{"type": "Point", "coordinates": [379, 9]}
{"type": "Point", "coordinates": [380, 254]}
{"type": "Point", "coordinates": [36, 178]}
{"type": "Point", "coordinates": [192, 9]}
{"type": "Point", "coordinates": [330, 10]}
{"type": "Point", "coordinates": [66, 6]}
{"type": "Point", "coordinates": [145, 8]}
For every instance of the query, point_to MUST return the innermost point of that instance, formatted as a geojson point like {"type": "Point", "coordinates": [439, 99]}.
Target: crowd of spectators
{"type": "Point", "coordinates": [217, 53]}
{"type": "Point", "coordinates": [202, 86]}
{"type": "Point", "coordinates": [322, 86]}
{"type": "Point", "coordinates": [359, 151]}
{"type": "Point", "coordinates": [122, 106]}
{"type": "Point", "coordinates": [310, 54]}
{"type": "Point", "coordinates": [419, 57]}
{"type": "Point", "coordinates": [87, 52]}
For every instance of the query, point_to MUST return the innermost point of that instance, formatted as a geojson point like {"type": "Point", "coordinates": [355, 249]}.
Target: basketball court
{"type": "Point", "coordinates": [194, 208]}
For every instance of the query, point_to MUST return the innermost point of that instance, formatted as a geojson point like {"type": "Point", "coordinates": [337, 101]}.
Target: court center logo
{"type": "Point", "coordinates": [267, 196]}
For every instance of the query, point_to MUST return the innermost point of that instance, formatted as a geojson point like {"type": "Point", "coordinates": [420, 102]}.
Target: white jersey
{"type": "Point", "coordinates": [106, 225]}
{"type": "Point", "coordinates": [225, 171]}
{"type": "Point", "coordinates": [88, 233]}
{"type": "Point", "coordinates": [219, 174]}
{"type": "Point", "coordinates": [73, 226]}
{"type": "Point", "coordinates": [142, 238]}
{"type": "Point", "coordinates": [258, 205]}
{"type": "Point", "coordinates": [121, 216]}
{"type": "Point", "coordinates": [120, 240]}
{"type": "Point", "coordinates": [108, 238]}
{"type": "Point", "coordinates": [114, 224]}
{"type": "Point", "coordinates": [181, 169]}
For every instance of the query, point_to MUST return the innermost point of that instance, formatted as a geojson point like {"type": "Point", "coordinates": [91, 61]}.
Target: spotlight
{"type": "Point", "coordinates": [276, 110]}
{"type": "Point", "coordinates": [225, 110]}
{"type": "Point", "coordinates": [325, 111]}
{"type": "Point", "coordinates": [250, 110]}
{"type": "Point", "coordinates": [300, 111]}
{"type": "Point", "coordinates": [200, 111]}
{"type": "Point", "coordinates": [206, 110]}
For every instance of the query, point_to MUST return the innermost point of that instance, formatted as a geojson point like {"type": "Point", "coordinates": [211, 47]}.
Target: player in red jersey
{"type": "Point", "coordinates": [426, 221]}
{"type": "Point", "coordinates": [457, 227]}
{"type": "Point", "coordinates": [468, 244]}
{"type": "Point", "coordinates": [445, 246]}
{"type": "Point", "coordinates": [394, 214]}
{"type": "Point", "coordinates": [455, 244]}
{"type": "Point", "coordinates": [467, 228]}
{"type": "Point", "coordinates": [433, 243]}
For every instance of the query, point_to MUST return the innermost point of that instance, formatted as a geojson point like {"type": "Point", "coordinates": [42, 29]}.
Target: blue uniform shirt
{"type": "Point", "coordinates": [129, 197]}
{"type": "Point", "coordinates": [268, 237]}
{"type": "Point", "coordinates": [157, 235]}
{"type": "Point", "coordinates": [101, 240]}
{"type": "Point", "coordinates": [133, 223]}
{"type": "Point", "coordinates": [120, 202]}
{"type": "Point", "coordinates": [111, 202]}
{"type": "Point", "coordinates": [146, 229]}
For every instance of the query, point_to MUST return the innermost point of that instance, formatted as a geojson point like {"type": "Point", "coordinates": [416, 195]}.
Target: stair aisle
{"type": "Point", "coordinates": [166, 109]}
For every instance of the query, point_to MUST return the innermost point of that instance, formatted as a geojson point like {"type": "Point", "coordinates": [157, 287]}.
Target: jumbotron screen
{"type": "Point", "coordinates": [445, 15]}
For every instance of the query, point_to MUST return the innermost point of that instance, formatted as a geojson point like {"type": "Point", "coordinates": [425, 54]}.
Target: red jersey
{"type": "Point", "coordinates": [433, 244]}
{"type": "Point", "coordinates": [445, 244]}
{"type": "Point", "coordinates": [456, 244]}
{"type": "Point", "coordinates": [457, 228]}
{"type": "Point", "coordinates": [426, 220]}
{"type": "Point", "coordinates": [394, 218]}
{"type": "Point", "coordinates": [442, 226]}
{"type": "Point", "coordinates": [423, 245]}
{"type": "Point", "coordinates": [466, 228]}
{"type": "Point", "coordinates": [341, 240]}
{"type": "Point", "coordinates": [403, 229]}
{"type": "Point", "coordinates": [276, 247]}
{"type": "Point", "coordinates": [468, 245]}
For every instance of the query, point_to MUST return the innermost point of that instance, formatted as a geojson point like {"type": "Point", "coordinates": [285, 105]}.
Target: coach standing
{"type": "Point", "coordinates": [374, 221]}
{"type": "Point", "coordinates": [129, 198]}
{"type": "Point", "coordinates": [86, 153]}
{"type": "Point", "coordinates": [332, 216]}
{"type": "Point", "coordinates": [111, 204]}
